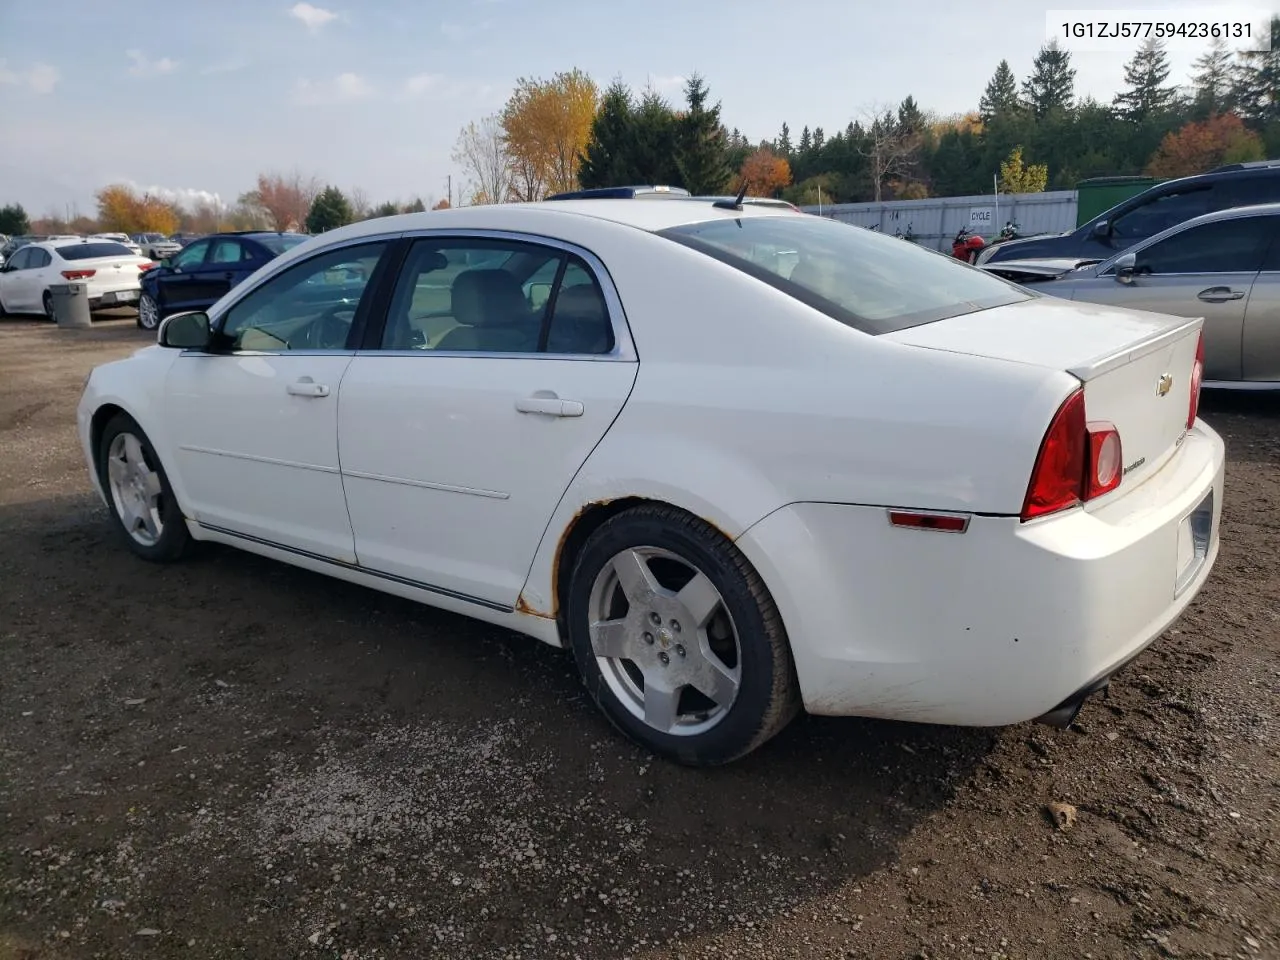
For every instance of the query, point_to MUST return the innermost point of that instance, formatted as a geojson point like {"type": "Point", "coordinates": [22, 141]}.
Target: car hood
{"type": "Point", "coordinates": [1047, 268]}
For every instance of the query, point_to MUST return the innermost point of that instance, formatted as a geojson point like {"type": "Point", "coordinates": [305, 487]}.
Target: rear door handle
{"type": "Point", "coordinates": [306, 387]}
{"type": "Point", "coordinates": [551, 406]}
{"type": "Point", "coordinates": [1219, 294]}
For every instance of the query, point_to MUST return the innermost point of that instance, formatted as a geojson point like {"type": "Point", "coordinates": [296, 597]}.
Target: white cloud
{"type": "Point", "coordinates": [225, 66]}
{"type": "Point", "coordinates": [142, 67]}
{"type": "Point", "coordinates": [667, 84]}
{"type": "Point", "coordinates": [435, 86]}
{"type": "Point", "coordinates": [344, 88]}
{"type": "Point", "coordinates": [313, 17]}
{"type": "Point", "coordinates": [40, 78]}
{"type": "Point", "coordinates": [188, 197]}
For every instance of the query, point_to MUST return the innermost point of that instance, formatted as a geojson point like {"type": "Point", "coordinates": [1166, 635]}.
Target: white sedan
{"type": "Point", "coordinates": [863, 479]}
{"type": "Point", "coordinates": [121, 238]}
{"type": "Point", "coordinates": [109, 270]}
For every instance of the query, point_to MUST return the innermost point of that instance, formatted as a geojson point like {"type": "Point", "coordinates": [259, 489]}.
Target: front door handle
{"type": "Point", "coordinates": [552, 406]}
{"type": "Point", "coordinates": [1219, 294]}
{"type": "Point", "coordinates": [306, 387]}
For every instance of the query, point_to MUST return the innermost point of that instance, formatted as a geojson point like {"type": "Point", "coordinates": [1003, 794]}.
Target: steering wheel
{"type": "Point", "coordinates": [330, 328]}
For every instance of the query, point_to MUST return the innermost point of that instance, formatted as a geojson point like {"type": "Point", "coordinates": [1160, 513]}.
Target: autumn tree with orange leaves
{"type": "Point", "coordinates": [1198, 147]}
{"type": "Point", "coordinates": [764, 172]}
{"type": "Point", "coordinates": [284, 199]}
{"type": "Point", "coordinates": [120, 209]}
{"type": "Point", "coordinates": [545, 126]}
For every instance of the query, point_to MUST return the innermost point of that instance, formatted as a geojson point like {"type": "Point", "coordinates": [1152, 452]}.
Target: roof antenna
{"type": "Point", "coordinates": [736, 202]}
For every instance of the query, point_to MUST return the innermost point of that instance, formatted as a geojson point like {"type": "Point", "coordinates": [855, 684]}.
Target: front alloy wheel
{"type": "Point", "coordinates": [677, 638]}
{"type": "Point", "coordinates": [148, 312]}
{"type": "Point", "coordinates": [138, 492]}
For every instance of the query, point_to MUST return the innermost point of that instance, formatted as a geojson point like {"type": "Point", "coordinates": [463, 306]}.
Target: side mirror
{"type": "Point", "coordinates": [184, 331]}
{"type": "Point", "coordinates": [1124, 268]}
{"type": "Point", "coordinates": [1102, 229]}
{"type": "Point", "coordinates": [539, 293]}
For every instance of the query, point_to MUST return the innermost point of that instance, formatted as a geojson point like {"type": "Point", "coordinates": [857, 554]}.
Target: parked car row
{"type": "Point", "coordinates": [127, 273]}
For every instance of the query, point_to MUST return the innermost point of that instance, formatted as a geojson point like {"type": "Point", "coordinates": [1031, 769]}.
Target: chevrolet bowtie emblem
{"type": "Point", "coordinates": [1164, 384]}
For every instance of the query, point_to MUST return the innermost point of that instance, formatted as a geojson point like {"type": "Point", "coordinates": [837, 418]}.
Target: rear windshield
{"type": "Point", "coordinates": [88, 251]}
{"type": "Point", "coordinates": [280, 244]}
{"type": "Point", "coordinates": [871, 282]}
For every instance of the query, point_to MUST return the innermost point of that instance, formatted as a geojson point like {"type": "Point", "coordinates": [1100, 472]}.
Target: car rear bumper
{"type": "Point", "coordinates": [1002, 623]}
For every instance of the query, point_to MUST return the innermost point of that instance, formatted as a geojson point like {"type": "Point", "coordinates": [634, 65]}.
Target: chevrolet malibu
{"type": "Point", "coordinates": [860, 480]}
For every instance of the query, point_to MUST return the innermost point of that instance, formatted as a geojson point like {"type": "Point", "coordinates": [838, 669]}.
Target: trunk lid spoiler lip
{"type": "Point", "coordinates": [1090, 369]}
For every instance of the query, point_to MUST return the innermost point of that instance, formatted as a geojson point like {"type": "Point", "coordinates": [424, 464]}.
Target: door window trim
{"type": "Point", "coordinates": [624, 349]}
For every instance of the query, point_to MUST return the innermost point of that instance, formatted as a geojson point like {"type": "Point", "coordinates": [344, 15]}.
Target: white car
{"type": "Point", "coordinates": [120, 238]}
{"type": "Point", "coordinates": [884, 484]}
{"type": "Point", "coordinates": [109, 270]}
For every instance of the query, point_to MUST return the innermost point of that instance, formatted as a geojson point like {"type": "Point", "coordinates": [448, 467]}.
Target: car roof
{"type": "Point", "coordinates": [650, 217]}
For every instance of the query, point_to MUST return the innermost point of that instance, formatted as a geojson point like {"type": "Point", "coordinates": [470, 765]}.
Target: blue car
{"type": "Point", "coordinates": [199, 275]}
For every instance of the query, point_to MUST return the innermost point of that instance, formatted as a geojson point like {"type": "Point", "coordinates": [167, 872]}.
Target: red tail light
{"type": "Point", "coordinates": [144, 267]}
{"type": "Point", "coordinates": [78, 274]}
{"type": "Point", "coordinates": [1197, 377]}
{"type": "Point", "coordinates": [1077, 461]}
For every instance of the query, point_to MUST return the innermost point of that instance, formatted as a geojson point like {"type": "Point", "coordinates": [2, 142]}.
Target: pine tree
{"type": "Point", "coordinates": [700, 143]}
{"type": "Point", "coordinates": [656, 130]}
{"type": "Point", "coordinates": [1257, 87]}
{"type": "Point", "coordinates": [1211, 79]}
{"type": "Point", "coordinates": [1001, 94]}
{"type": "Point", "coordinates": [910, 119]}
{"type": "Point", "coordinates": [1051, 86]}
{"type": "Point", "coordinates": [1146, 96]}
{"type": "Point", "coordinates": [819, 138]}
{"type": "Point", "coordinates": [784, 141]}
{"type": "Point", "coordinates": [806, 140]}
{"type": "Point", "coordinates": [608, 160]}
{"type": "Point", "coordinates": [329, 210]}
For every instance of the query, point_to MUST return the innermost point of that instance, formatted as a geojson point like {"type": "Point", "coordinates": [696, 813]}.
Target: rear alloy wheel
{"type": "Point", "coordinates": [47, 300]}
{"type": "Point", "coordinates": [148, 312]}
{"type": "Point", "coordinates": [677, 638]}
{"type": "Point", "coordinates": [138, 492]}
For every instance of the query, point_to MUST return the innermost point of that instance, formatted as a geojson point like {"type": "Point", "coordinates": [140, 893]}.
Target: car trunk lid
{"type": "Point", "coordinates": [1135, 367]}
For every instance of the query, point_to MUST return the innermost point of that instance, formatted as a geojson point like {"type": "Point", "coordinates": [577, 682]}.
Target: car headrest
{"type": "Point", "coordinates": [488, 298]}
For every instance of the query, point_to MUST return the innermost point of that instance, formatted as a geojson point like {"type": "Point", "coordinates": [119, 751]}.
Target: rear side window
{"type": "Point", "coordinates": [1246, 191]}
{"type": "Point", "coordinates": [88, 251]}
{"type": "Point", "coordinates": [279, 245]}
{"type": "Point", "coordinates": [871, 282]}
{"type": "Point", "coordinates": [1160, 213]}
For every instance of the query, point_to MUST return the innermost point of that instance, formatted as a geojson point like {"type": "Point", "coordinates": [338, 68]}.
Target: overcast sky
{"type": "Point", "coordinates": [200, 97]}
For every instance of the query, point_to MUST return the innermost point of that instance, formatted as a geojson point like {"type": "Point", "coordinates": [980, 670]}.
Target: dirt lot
{"type": "Point", "coordinates": [229, 757]}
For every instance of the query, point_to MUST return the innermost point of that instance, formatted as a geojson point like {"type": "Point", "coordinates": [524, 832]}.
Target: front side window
{"type": "Point", "coordinates": [874, 283]}
{"type": "Point", "coordinates": [310, 306]}
{"type": "Point", "coordinates": [39, 258]}
{"type": "Point", "coordinates": [20, 259]}
{"type": "Point", "coordinates": [191, 256]}
{"type": "Point", "coordinates": [496, 296]}
{"type": "Point", "coordinates": [1226, 246]}
{"type": "Point", "coordinates": [1160, 213]}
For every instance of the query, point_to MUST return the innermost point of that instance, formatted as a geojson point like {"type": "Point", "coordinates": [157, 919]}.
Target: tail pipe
{"type": "Point", "coordinates": [1065, 713]}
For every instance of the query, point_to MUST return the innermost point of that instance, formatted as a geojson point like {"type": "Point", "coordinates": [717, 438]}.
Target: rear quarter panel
{"type": "Point", "coordinates": [747, 400]}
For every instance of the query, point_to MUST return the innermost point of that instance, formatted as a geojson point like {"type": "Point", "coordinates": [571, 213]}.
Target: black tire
{"type": "Point", "coordinates": [767, 697]}
{"type": "Point", "coordinates": [153, 312]}
{"type": "Point", "coordinates": [174, 539]}
{"type": "Point", "coordinates": [47, 301]}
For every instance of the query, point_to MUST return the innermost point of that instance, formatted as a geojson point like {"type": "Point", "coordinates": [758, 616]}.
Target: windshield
{"type": "Point", "coordinates": [871, 282]}
{"type": "Point", "coordinates": [279, 244]}
{"type": "Point", "coordinates": [88, 251]}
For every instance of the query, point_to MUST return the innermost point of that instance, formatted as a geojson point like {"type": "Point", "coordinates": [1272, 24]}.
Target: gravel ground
{"type": "Point", "coordinates": [232, 758]}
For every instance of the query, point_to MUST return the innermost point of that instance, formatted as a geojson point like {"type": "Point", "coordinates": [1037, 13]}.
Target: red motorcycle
{"type": "Point", "coordinates": [967, 245]}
